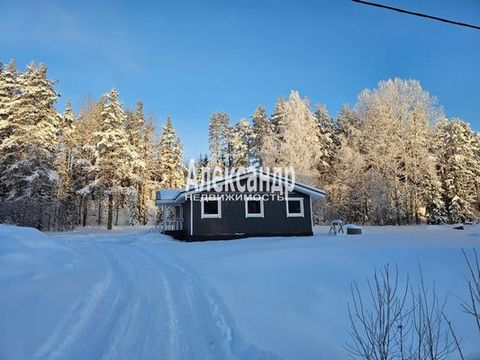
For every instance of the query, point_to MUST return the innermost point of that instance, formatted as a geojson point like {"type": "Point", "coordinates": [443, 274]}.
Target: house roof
{"type": "Point", "coordinates": [178, 196]}
{"type": "Point", "coordinates": [168, 195]}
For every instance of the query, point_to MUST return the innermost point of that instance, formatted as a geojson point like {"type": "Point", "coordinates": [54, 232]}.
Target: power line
{"type": "Point", "coordinates": [417, 14]}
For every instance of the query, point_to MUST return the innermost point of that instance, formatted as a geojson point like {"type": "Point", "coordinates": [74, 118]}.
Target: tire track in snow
{"type": "Point", "coordinates": [59, 343]}
{"type": "Point", "coordinates": [204, 312]}
{"type": "Point", "coordinates": [173, 325]}
{"type": "Point", "coordinates": [147, 306]}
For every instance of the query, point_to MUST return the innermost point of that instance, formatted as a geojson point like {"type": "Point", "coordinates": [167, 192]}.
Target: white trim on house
{"type": "Point", "coordinates": [211, 216]}
{"type": "Point", "coordinates": [191, 218]}
{"type": "Point", "coordinates": [254, 215]}
{"type": "Point", "coordinates": [301, 213]}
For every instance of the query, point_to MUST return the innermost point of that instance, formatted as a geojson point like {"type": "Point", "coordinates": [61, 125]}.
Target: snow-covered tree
{"type": "Point", "coordinates": [66, 151]}
{"type": "Point", "coordinates": [459, 177]}
{"type": "Point", "coordinates": [299, 144]}
{"type": "Point", "coordinates": [260, 125]}
{"type": "Point", "coordinates": [170, 166]}
{"type": "Point", "coordinates": [135, 123]}
{"type": "Point", "coordinates": [273, 136]}
{"type": "Point", "coordinates": [8, 90]}
{"type": "Point", "coordinates": [240, 144]}
{"type": "Point", "coordinates": [326, 138]}
{"type": "Point", "coordinates": [30, 149]}
{"type": "Point", "coordinates": [149, 185]}
{"type": "Point", "coordinates": [394, 121]}
{"type": "Point", "coordinates": [84, 167]}
{"type": "Point", "coordinates": [115, 154]}
{"type": "Point", "coordinates": [218, 139]}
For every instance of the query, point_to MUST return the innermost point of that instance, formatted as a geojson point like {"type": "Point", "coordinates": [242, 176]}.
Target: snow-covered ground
{"type": "Point", "coordinates": [135, 294]}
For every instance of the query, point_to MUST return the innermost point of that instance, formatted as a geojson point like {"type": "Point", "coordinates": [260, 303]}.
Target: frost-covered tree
{"type": "Point", "coordinates": [84, 167]}
{"type": "Point", "coordinates": [260, 125]}
{"type": "Point", "coordinates": [299, 139]}
{"type": "Point", "coordinates": [459, 176]}
{"type": "Point", "coordinates": [149, 185]}
{"type": "Point", "coordinates": [394, 120]}
{"type": "Point", "coordinates": [116, 156]}
{"type": "Point", "coordinates": [476, 151]}
{"type": "Point", "coordinates": [218, 132]}
{"type": "Point", "coordinates": [273, 136]}
{"type": "Point", "coordinates": [326, 138]}
{"type": "Point", "coordinates": [135, 123]}
{"type": "Point", "coordinates": [170, 166]}
{"type": "Point", "coordinates": [30, 149]}
{"type": "Point", "coordinates": [240, 144]}
{"type": "Point", "coordinates": [66, 151]}
{"type": "Point", "coordinates": [347, 125]}
{"type": "Point", "coordinates": [8, 90]}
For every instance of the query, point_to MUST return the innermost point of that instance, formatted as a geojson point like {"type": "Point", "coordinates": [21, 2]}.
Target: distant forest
{"type": "Point", "coordinates": [392, 158]}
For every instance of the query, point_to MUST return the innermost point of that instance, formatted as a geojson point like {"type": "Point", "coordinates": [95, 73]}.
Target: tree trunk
{"type": "Point", "coordinates": [116, 212]}
{"type": "Point", "coordinates": [141, 213]}
{"type": "Point", "coordinates": [99, 216]}
{"type": "Point", "coordinates": [110, 212]}
{"type": "Point", "coordinates": [85, 212]}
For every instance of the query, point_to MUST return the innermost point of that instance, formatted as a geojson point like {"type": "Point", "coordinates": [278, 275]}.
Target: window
{"type": "Point", "coordinates": [253, 208]}
{"type": "Point", "coordinates": [295, 207]}
{"type": "Point", "coordinates": [211, 208]}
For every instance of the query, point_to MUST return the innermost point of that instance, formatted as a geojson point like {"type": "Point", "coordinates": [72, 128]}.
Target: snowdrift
{"type": "Point", "coordinates": [27, 251]}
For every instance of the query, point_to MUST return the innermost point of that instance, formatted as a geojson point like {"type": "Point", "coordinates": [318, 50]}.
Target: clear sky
{"type": "Point", "coordinates": [188, 59]}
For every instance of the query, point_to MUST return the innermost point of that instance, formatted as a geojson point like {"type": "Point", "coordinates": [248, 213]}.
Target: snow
{"type": "Point", "coordinates": [168, 194]}
{"type": "Point", "coordinates": [134, 293]}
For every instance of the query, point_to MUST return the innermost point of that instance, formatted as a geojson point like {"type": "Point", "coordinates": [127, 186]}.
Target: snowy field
{"type": "Point", "coordinates": [135, 294]}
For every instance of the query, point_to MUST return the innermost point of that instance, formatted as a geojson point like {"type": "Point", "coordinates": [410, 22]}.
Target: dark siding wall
{"type": "Point", "coordinates": [275, 220]}
{"type": "Point", "coordinates": [186, 217]}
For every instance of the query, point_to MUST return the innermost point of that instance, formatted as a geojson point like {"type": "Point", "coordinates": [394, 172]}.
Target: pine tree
{"type": "Point", "coordinates": [459, 171]}
{"type": "Point", "coordinates": [260, 128]}
{"type": "Point", "coordinates": [8, 90]}
{"type": "Point", "coordinates": [115, 154]}
{"type": "Point", "coordinates": [240, 144]}
{"type": "Point", "coordinates": [476, 148]}
{"type": "Point", "coordinates": [201, 166]}
{"type": "Point", "coordinates": [136, 199]}
{"type": "Point", "coordinates": [135, 125]}
{"type": "Point", "coordinates": [347, 124]}
{"type": "Point", "coordinates": [84, 167]}
{"type": "Point", "coordinates": [218, 140]}
{"type": "Point", "coordinates": [149, 185]}
{"type": "Point", "coordinates": [170, 164]}
{"type": "Point", "coordinates": [30, 150]}
{"type": "Point", "coordinates": [67, 144]}
{"type": "Point", "coordinates": [327, 142]}
{"type": "Point", "coordinates": [273, 137]}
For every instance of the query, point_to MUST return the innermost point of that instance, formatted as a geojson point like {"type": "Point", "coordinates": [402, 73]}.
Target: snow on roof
{"type": "Point", "coordinates": [178, 195]}
{"type": "Point", "coordinates": [303, 188]}
{"type": "Point", "coordinates": [168, 195]}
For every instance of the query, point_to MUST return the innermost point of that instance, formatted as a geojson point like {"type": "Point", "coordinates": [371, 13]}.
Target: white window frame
{"type": "Point", "coordinates": [254, 215]}
{"type": "Point", "coordinates": [302, 210]}
{"type": "Point", "coordinates": [211, 216]}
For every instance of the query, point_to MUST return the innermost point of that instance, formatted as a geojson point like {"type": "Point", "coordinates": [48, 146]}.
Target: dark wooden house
{"type": "Point", "coordinates": [204, 213]}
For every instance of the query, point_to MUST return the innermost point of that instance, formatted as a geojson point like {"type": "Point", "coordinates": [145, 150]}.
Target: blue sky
{"type": "Point", "coordinates": [188, 59]}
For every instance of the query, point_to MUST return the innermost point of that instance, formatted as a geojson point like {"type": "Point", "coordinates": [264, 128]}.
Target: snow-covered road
{"type": "Point", "coordinates": [141, 303]}
{"type": "Point", "coordinates": [136, 294]}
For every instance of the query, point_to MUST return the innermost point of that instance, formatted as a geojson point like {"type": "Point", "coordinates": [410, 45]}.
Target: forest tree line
{"type": "Point", "coordinates": [56, 167]}
{"type": "Point", "coordinates": [392, 158]}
